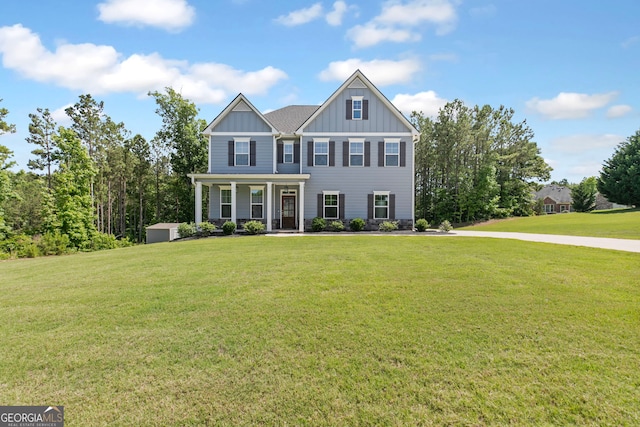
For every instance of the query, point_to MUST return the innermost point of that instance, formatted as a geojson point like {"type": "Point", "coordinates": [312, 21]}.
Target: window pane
{"type": "Point", "coordinates": [321, 153]}
{"type": "Point", "coordinates": [331, 212]}
{"type": "Point", "coordinates": [321, 160]}
{"type": "Point", "coordinates": [356, 160]}
{"type": "Point", "coordinates": [288, 153]}
{"type": "Point", "coordinates": [391, 160]}
{"type": "Point", "coordinates": [256, 211]}
{"type": "Point", "coordinates": [381, 200]}
{"type": "Point", "coordinates": [331, 200]}
{"type": "Point", "coordinates": [242, 153]}
{"type": "Point", "coordinates": [256, 196]}
{"type": "Point", "coordinates": [226, 211]}
{"type": "Point", "coordinates": [225, 196]}
{"type": "Point", "coordinates": [242, 159]}
{"type": "Point", "coordinates": [380, 213]}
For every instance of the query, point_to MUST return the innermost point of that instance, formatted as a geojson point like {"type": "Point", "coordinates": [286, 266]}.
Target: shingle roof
{"type": "Point", "coordinates": [558, 193]}
{"type": "Point", "coordinates": [289, 119]}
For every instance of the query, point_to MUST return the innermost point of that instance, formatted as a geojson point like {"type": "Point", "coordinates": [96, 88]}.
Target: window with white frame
{"type": "Point", "coordinates": [356, 107]}
{"type": "Point", "coordinates": [225, 202]}
{"type": "Point", "coordinates": [381, 205]}
{"type": "Point", "coordinates": [356, 152]}
{"type": "Point", "coordinates": [288, 152]}
{"type": "Point", "coordinates": [330, 209]}
{"type": "Point", "coordinates": [321, 152]}
{"type": "Point", "coordinates": [392, 152]}
{"type": "Point", "coordinates": [257, 202]}
{"type": "Point", "coordinates": [242, 152]}
{"type": "Point", "coordinates": [549, 208]}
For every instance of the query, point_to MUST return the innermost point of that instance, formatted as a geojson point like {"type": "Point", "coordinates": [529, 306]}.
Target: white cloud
{"type": "Point", "coordinates": [581, 143]}
{"type": "Point", "coordinates": [171, 15]}
{"type": "Point", "coordinates": [570, 105]}
{"type": "Point", "coordinates": [301, 16]}
{"type": "Point", "coordinates": [397, 21]}
{"type": "Point", "coordinates": [60, 116]}
{"type": "Point", "coordinates": [429, 103]}
{"type": "Point", "coordinates": [101, 69]}
{"type": "Point", "coordinates": [382, 72]}
{"type": "Point", "coordinates": [586, 169]}
{"type": "Point", "coordinates": [334, 18]}
{"type": "Point", "coordinates": [616, 111]}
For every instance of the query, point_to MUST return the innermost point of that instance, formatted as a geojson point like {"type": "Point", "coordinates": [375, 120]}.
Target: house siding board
{"type": "Point", "coordinates": [247, 121]}
{"type": "Point", "coordinates": [220, 155]}
{"type": "Point", "coordinates": [333, 117]}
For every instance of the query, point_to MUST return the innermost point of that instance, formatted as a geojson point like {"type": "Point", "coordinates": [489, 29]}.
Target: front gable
{"type": "Point", "coordinates": [240, 116]}
{"type": "Point", "coordinates": [357, 106]}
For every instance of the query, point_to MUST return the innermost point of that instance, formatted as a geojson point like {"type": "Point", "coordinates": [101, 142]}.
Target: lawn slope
{"type": "Point", "coordinates": [620, 223]}
{"type": "Point", "coordinates": [358, 330]}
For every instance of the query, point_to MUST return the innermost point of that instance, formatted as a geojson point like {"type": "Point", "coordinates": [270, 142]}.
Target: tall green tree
{"type": "Point", "coordinates": [6, 191]}
{"type": "Point", "coordinates": [41, 131]}
{"type": "Point", "coordinates": [620, 177]}
{"type": "Point", "coordinates": [181, 133]}
{"type": "Point", "coordinates": [583, 195]}
{"type": "Point", "coordinates": [5, 127]}
{"type": "Point", "coordinates": [140, 152]}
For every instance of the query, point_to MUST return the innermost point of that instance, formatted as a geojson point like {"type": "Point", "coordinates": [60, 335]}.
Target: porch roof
{"type": "Point", "coordinates": [225, 178]}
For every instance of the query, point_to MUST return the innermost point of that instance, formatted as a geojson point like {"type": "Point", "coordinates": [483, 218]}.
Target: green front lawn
{"type": "Point", "coordinates": [620, 223]}
{"type": "Point", "coordinates": [337, 330]}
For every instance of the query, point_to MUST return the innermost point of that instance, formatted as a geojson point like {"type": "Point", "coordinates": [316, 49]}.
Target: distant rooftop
{"type": "Point", "coordinates": [289, 119]}
{"type": "Point", "coordinates": [558, 193]}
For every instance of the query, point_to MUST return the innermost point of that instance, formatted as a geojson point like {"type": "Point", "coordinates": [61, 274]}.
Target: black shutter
{"type": "Point", "coordinates": [403, 153]}
{"type": "Point", "coordinates": [367, 153]}
{"type": "Point", "coordinates": [280, 152]}
{"type": "Point", "coordinates": [392, 206]}
{"type": "Point", "coordinates": [349, 109]}
{"type": "Point", "coordinates": [320, 203]}
{"type": "Point", "coordinates": [332, 153]}
{"type": "Point", "coordinates": [370, 206]}
{"type": "Point", "coordinates": [380, 154]}
{"type": "Point", "coordinates": [310, 153]}
{"type": "Point", "coordinates": [341, 206]}
{"type": "Point", "coordinates": [345, 153]}
{"type": "Point", "coordinates": [252, 153]}
{"type": "Point", "coordinates": [365, 109]}
{"type": "Point", "coordinates": [296, 153]}
{"type": "Point", "coordinates": [231, 154]}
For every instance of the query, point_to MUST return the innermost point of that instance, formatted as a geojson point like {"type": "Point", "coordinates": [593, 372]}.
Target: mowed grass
{"type": "Point", "coordinates": [339, 330]}
{"type": "Point", "coordinates": [619, 223]}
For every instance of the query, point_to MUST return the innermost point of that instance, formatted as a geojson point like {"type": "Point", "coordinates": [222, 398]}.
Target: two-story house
{"type": "Point", "coordinates": [351, 157]}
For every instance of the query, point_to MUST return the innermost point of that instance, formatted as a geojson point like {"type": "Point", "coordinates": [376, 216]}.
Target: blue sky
{"type": "Point", "coordinates": [570, 68]}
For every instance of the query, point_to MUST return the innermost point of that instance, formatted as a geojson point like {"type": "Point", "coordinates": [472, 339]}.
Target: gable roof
{"type": "Point", "coordinates": [240, 103]}
{"type": "Point", "coordinates": [288, 119]}
{"type": "Point", "coordinates": [361, 80]}
{"type": "Point", "coordinates": [557, 193]}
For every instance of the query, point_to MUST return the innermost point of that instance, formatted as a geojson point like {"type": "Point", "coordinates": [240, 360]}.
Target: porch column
{"type": "Point", "coordinates": [269, 205]}
{"type": "Point", "coordinates": [233, 203]}
{"type": "Point", "coordinates": [301, 209]}
{"type": "Point", "coordinates": [198, 202]}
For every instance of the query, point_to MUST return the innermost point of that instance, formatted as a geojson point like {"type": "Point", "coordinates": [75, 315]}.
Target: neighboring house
{"type": "Point", "coordinates": [351, 157]}
{"type": "Point", "coordinates": [556, 198]}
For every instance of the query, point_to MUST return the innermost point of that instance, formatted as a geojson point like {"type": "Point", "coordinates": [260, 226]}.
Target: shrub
{"type": "Point", "coordinates": [54, 243]}
{"type": "Point", "coordinates": [101, 241]}
{"type": "Point", "coordinates": [318, 224]}
{"type": "Point", "coordinates": [253, 227]}
{"type": "Point", "coordinates": [445, 226]}
{"type": "Point", "coordinates": [336, 226]}
{"type": "Point", "coordinates": [357, 224]}
{"type": "Point", "coordinates": [388, 226]}
{"type": "Point", "coordinates": [187, 229]}
{"type": "Point", "coordinates": [19, 246]}
{"type": "Point", "coordinates": [422, 225]}
{"type": "Point", "coordinates": [206, 228]}
{"type": "Point", "coordinates": [228, 228]}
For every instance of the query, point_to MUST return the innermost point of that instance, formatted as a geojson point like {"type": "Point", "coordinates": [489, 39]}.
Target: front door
{"type": "Point", "coordinates": [288, 211]}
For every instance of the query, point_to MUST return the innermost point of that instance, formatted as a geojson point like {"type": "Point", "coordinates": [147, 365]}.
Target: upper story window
{"type": "Point", "coordinates": [392, 152]}
{"type": "Point", "coordinates": [320, 152]}
{"type": "Point", "coordinates": [288, 152]}
{"type": "Point", "coordinates": [241, 152]}
{"type": "Point", "coordinates": [356, 107]}
{"type": "Point", "coordinates": [356, 152]}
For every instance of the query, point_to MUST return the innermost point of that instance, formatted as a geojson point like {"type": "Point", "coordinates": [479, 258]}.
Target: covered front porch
{"type": "Point", "coordinates": [277, 200]}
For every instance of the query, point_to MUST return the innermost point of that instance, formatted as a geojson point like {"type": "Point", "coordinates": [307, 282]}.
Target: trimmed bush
{"type": "Point", "coordinates": [206, 228]}
{"type": "Point", "coordinates": [336, 226]}
{"type": "Point", "coordinates": [318, 224]}
{"type": "Point", "coordinates": [446, 226]}
{"type": "Point", "coordinates": [54, 243]}
{"type": "Point", "coordinates": [228, 228]}
{"type": "Point", "coordinates": [388, 226]}
{"type": "Point", "coordinates": [187, 229]}
{"type": "Point", "coordinates": [422, 225]}
{"type": "Point", "coordinates": [253, 227]}
{"type": "Point", "coordinates": [357, 224]}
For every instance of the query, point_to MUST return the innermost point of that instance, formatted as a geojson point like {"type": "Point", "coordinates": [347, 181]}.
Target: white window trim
{"type": "Point", "coordinates": [391, 140]}
{"type": "Point", "coordinates": [356, 140]}
{"type": "Point", "coordinates": [284, 151]}
{"type": "Point", "coordinates": [251, 204]}
{"type": "Point", "coordinates": [224, 187]}
{"type": "Point", "coordinates": [353, 107]}
{"type": "Point", "coordinates": [324, 206]}
{"type": "Point", "coordinates": [235, 151]}
{"type": "Point", "coordinates": [315, 141]}
{"type": "Point", "coordinates": [380, 193]}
